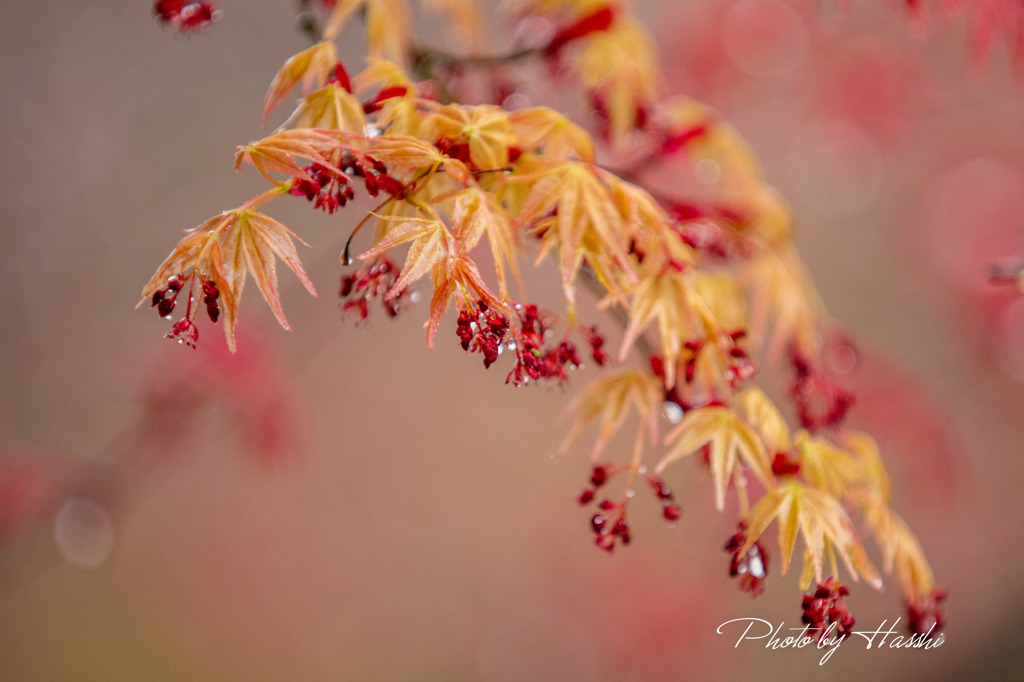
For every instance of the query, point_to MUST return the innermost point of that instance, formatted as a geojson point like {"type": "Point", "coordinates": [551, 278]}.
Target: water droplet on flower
{"type": "Point", "coordinates": [630, 493]}
{"type": "Point", "coordinates": [414, 297]}
{"type": "Point", "coordinates": [672, 411]}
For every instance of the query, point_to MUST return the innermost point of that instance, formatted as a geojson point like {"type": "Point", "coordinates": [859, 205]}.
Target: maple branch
{"type": "Point", "coordinates": [421, 53]}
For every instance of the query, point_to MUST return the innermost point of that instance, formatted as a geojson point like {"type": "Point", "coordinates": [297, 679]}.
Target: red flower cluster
{"type": "Point", "coordinates": [824, 608]}
{"type": "Point", "coordinates": [185, 16]}
{"type": "Point", "coordinates": [533, 361]}
{"type": "Point", "coordinates": [164, 300]}
{"type": "Point", "coordinates": [609, 524]}
{"type": "Point", "coordinates": [752, 567]}
{"type": "Point", "coordinates": [596, 343]}
{"type": "Point", "coordinates": [370, 281]}
{"type": "Point", "coordinates": [820, 402]}
{"type": "Point", "coordinates": [331, 188]}
{"type": "Point", "coordinates": [928, 618]}
{"type": "Point", "coordinates": [482, 330]}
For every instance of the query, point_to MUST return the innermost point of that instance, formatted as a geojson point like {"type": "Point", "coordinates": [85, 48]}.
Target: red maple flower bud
{"type": "Point", "coordinates": [824, 608]}
{"type": "Point", "coordinates": [927, 618]}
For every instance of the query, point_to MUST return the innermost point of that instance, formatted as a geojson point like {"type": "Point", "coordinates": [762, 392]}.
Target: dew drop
{"type": "Point", "coordinates": [672, 411]}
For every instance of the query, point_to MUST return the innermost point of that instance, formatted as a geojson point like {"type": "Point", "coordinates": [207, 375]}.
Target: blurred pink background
{"type": "Point", "coordinates": [338, 503]}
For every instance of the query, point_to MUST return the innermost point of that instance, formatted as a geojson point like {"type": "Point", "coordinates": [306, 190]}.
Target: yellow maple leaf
{"type": "Point", "coordinates": [332, 107]}
{"type": "Point", "coordinates": [781, 292]}
{"type": "Point", "coordinates": [670, 299]}
{"type": "Point", "coordinates": [387, 26]}
{"type": "Point", "coordinates": [587, 224]}
{"type": "Point", "coordinates": [465, 18]}
{"type": "Point", "coordinates": [826, 466]}
{"type": "Point", "coordinates": [731, 440]}
{"type": "Point", "coordinates": [619, 63]}
{"type": "Point", "coordinates": [902, 555]}
{"type": "Point", "coordinates": [757, 409]}
{"type": "Point", "coordinates": [544, 130]}
{"type": "Point", "coordinates": [486, 129]}
{"type": "Point", "coordinates": [312, 67]}
{"type": "Point", "coordinates": [607, 401]}
{"type": "Point", "coordinates": [822, 523]}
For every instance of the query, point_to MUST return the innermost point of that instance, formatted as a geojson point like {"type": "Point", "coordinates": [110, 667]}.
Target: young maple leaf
{"type": "Point", "coordinates": [224, 249]}
{"type": "Point", "coordinates": [696, 129]}
{"type": "Point", "coordinates": [587, 223]}
{"type": "Point", "coordinates": [607, 401]}
{"type": "Point", "coordinates": [877, 488]}
{"type": "Point", "coordinates": [313, 67]}
{"type": "Point", "coordinates": [486, 129]}
{"type": "Point", "coordinates": [731, 440]}
{"type": "Point", "coordinates": [477, 212]}
{"type": "Point", "coordinates": [757, 409]}
{"type": "Point", "coordinates": [782, 291]}
{"type": "Point", "coordinates": [436, 250]}
{"type": "Point", "coordinates": [821, 521]}
{"type": "Point", "coordinates": [409, 152]}
{"type": "Point", "coordinates": [277, 153]}
{"type": "Point", "coordinates": [619, 64]}
{"type": "Point", "coordinates": [671, 299]}
{"type": "Point", "coordinates": [332, 107]}
{"type": "Point", "coordinates": [826, 466]}
{"type": "Point", "coordinates": [387, 28]}
{"type": "Point", "coordinates": [465, 17]}
{"type": "Point", "coordinates": [902, 555]}
{"type": "Point", "coordinates": [552, 133]}
{"type": "Point", "coordinates": [252, 247]}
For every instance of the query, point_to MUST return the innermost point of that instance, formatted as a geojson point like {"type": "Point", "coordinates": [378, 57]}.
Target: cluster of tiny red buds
{"type": "Point", "coordinates": [670, 510]}
{"type": "Point", "coordinates": [330, 190]}
{"type": "Point", "coordinates": [164, 300]}
{"type": "Point", "coordinates": [532, 360]}
{"type": "Point", "coordinates": [609, 524]}
{"type": "Point", "coordinates": [210, 296]}
{"type": "Point", "coordinates": [326, 189]}
{"type": "Point", "coordinates": [820, 402]}
{"type": "Point", "coordinates": [370, 281]}
{"type": "Point", "coordinates": [928, 618]}
{"type": "Point", "coordinates": [482, 330]}
{"type": "Point", "coordinates": [596, 343]}
{"type": "Point", "coordinates": [185, 16]}
{"type": "Point", "coordinates": [752, 567]}
{"type": "Point", "coordinates": [824, 610]}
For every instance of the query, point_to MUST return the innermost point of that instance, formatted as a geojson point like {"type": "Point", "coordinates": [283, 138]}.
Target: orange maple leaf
{"type": "Point", "coordinates": [312, 67]}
